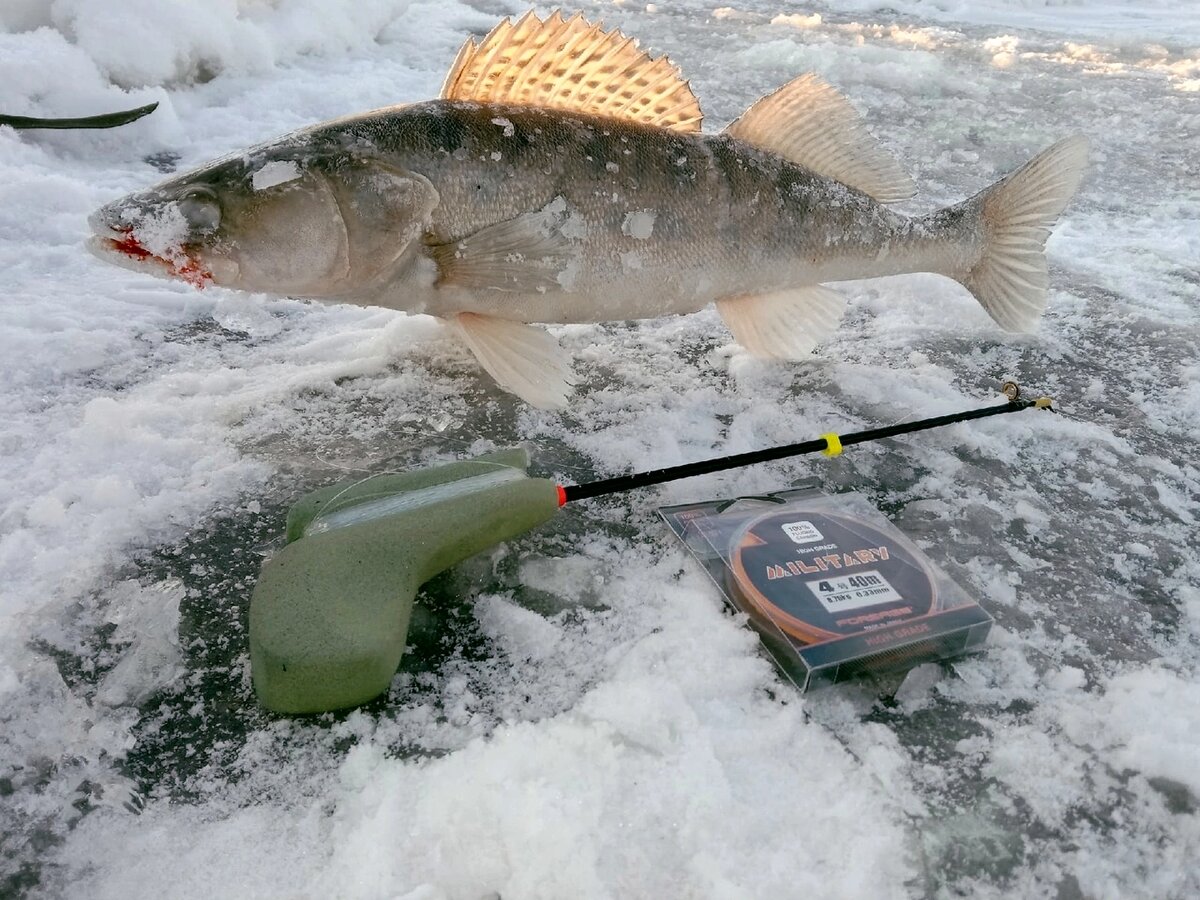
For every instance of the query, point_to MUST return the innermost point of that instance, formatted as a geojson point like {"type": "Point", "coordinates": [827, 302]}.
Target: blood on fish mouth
{"type": "Point", "coordinates": [186, 268]}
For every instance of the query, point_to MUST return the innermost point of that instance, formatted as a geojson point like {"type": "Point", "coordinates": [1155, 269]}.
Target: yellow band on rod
{"type": "Point", "coordinates": [833, 444]}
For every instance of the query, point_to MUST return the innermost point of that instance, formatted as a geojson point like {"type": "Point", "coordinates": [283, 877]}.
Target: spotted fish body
{"type": "Point", "coordinates": [514, 199]}
{"type": "Point", "coordinates": [657, 223]}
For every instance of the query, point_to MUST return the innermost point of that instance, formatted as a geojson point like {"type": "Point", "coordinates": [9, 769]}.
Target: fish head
{"type": "Point", "coordinates": [283, 220]}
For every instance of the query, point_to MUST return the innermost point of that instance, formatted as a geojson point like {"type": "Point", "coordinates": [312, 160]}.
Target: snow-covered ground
{"type": "Point", "coordinates": [579, 717]}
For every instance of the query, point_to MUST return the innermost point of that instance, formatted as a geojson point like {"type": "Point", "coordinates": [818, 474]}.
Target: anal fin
{"type": "Point", "coordinates": [785, 324]}
{"type": "Point", "coordinates": [523, 359]}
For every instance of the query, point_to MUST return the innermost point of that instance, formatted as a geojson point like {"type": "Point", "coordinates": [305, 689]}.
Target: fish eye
{"type": "Point", "coordinates": [201, 211]}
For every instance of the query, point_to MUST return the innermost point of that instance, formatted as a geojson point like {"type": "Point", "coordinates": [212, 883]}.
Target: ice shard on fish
{"type": "Point", "coordinates": [562, 176]}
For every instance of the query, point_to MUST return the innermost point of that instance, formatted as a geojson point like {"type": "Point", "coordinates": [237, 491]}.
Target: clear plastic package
{"type": "Point", "coordinates": [833, 588]}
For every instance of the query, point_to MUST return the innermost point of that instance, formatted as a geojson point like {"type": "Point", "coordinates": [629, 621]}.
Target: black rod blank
{"type": "Point", "coordinates": [720, 463]}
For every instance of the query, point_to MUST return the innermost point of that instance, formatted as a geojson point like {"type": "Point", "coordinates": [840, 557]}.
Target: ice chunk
{"type": "Point", "coordinates": [275, 173]}
{"type": "Point", "coordinates": [149, 619]}
{"type": "Point", "coordinates": [639, 224]}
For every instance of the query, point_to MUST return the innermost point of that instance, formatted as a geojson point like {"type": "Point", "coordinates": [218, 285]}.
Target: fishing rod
{"type": "Point", "coordinates": [329, 615]}
{"type": "Point", "coordinates": [830, 444]}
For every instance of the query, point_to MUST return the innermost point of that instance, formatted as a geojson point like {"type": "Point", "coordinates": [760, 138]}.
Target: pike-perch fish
{"type": "Point", "coordinates": [562, 176]}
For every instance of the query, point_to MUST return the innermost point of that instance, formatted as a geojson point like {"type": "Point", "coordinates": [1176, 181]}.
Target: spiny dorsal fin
{"type": "Point", "coordinates": [810, 123]}
{"type": "Point", "coordinates": [570, 65]}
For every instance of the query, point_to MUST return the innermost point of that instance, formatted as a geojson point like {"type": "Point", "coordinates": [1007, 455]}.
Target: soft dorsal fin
{"type": "Point", "coordinates": [810, 123]}
{"type": "Point", "coordinates": [570, 65]}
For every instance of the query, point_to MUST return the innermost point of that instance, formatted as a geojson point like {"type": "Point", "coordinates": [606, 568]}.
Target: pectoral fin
{"type": "Point", "coordinates": [524, 255]}
{"type": "Point", "coordinates": [783, 324]}
{"type": "Point", "coordinates": [522, 358]}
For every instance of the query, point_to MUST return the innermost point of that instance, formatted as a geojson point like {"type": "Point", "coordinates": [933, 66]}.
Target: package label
{"type": "Point", "coordinates": [804, 532]}
{"type": "Point", "coordinates": [840, 593]}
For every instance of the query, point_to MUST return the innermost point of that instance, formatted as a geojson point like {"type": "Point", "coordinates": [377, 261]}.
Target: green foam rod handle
{"type": "Point", "coordinates": [329, 615]}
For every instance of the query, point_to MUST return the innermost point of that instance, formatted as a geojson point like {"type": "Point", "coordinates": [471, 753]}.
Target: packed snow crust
{"type": "Point", "coordinates": [577, 715]}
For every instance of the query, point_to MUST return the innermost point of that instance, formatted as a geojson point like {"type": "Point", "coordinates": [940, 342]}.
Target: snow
{"type": "Point", "coordinates": [577, 715]}
{"type": "Point", "coordinates": [275, 173]}
{"type": "Point", "coordinates": [639, 224]}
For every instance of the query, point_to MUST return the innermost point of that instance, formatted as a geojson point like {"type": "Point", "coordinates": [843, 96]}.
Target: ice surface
{"type": "Point", "coordinates": [577, 716]}
{"type": "Point", "coordinates": [1114, 20]}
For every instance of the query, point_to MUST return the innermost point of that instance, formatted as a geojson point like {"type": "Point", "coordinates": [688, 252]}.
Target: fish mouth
{"type": "Point", "coordinates": [122, 247]}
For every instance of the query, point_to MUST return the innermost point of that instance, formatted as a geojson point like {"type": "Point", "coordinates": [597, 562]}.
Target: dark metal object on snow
{"type": "Point", "coordinates": [104, 120]}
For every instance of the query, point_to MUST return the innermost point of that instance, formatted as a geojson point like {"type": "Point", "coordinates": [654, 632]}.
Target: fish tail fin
{"type": "Point", "coordinates": [1013, 218]}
